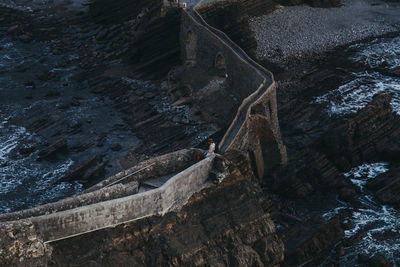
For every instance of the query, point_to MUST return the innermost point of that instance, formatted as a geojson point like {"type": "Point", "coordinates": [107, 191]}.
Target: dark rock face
{"type": "Point", "coordinates": [59, 146]}
{"type": "Point", "coordinates": [156, 48]}
{"type": "Point", "coordinates": [87, 172]}
{"type": "Point", "coordinates": [386, 186]}
{"type": "Point", "coordinates": [306, 241]}
{"type": "Point", "coordinates": [372, 134]}
{"type": "Point", "coordinates": [110, 12]}
{"type": "Point", "coordinates": [221, 226]}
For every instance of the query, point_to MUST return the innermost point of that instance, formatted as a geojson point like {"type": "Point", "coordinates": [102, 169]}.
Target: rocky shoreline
{"type": "Point", "coordinates": [321, 148]}
{"type": "Point", "coordinates": [85, 68]}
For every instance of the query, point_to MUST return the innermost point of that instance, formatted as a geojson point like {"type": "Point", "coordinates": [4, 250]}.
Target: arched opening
{"type": "Point", "coordinates": [190, 46]}
{"type": "Point", "coordinates": [220, 62]}
{"type": "Point", "coordinates": [220, 65]}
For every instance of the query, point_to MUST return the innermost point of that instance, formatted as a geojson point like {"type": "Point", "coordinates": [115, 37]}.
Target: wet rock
{"type": "Point", "coordinates": [386, 186]}
{"type": "Point", "coordinates": [53, 93]}
{"type": "Point", "coordinates": [140, 92]}
{"type": "Point", "coordinates": [25, 38]}
{"type": "Point", "coordinates": [63, 105]}
{"type": "Point", "coordinates": [46, 76]}
{"type": "Point", "coordinates": [90, 169]}
{"type": "Point", "coordinates": [395, 71]}
{"type": "Point", "coordinates": [347, 193]}
{"type": "Point", "coordinates": [373, 134]}
{"type": "Point", "coordinates": [57, 147]}
{"type": "Point", "coordinates": [376, 261]}
{"type": "Point", "coordinates": [116, 147]}
{"type": "Point", "coordinates": [93, 174]}
{"type": "Point", "coordinates": [101, 140]}
{"type": "Point", "coordinates": [30, 84]}
{"type": "Point", "coordinates": [13, 29]}
{"type": "Point", "coordinates": [149, 95]}
{"type": "Point", "coordinates": [307, 172]}
{"type": "Point", "coordinates": [23, 67]}
{"type": "Point", "coordinates": [102, 34]}
{"type": "Point", "coordinates": [304, 242]}
{"type": "Point", "coordinates": [26, 150]}
{"type": "Point", "coordinates": [221, 226]}
{"type": "Point", "coordinates": [75, 102]}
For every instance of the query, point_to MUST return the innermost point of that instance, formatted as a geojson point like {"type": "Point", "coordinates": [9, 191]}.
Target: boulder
{"type": "Point", "coordinates": [386, 186]}
{"type": "Point", "coordinates": [25, 38]}
{"type": "Point", "coordinates": [372, 134]}
{"type": "Point", "coordinates": [87, 171]}
{"type": "Point", "coordinates": [50, 151]}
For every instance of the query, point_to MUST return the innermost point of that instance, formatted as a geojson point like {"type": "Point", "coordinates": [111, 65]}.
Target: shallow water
{"type": "Point", "coordinates": [358, 92]}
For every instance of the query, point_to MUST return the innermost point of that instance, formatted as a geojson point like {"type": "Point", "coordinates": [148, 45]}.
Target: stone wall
{"type": "Point", "coordinates": [170, 163]}
{"type": "Point", "coordinates": [171, 196]}
{"type": "Point", "coordinates": [112, 192]}
{"type": "Point", "coordinates": [255, 127]}
{"type": "Point", "coordinates": [242, 79]}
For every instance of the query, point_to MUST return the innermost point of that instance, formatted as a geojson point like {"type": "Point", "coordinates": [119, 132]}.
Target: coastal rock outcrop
{"type": "Point", "coordinates": [386, 186]}
{"type": "Point", "coordinates": [224, 225]}
{"type": "Point", "coordinates": [372, 134]}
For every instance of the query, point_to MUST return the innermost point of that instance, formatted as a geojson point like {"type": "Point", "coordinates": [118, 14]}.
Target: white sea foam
{"type": "Point", "coordinates": [368, 170]}
{"type": "Point", "coordinates": [25, 182]}
{"type": "Point", "coordinates": [380, 224]}
{"type": "Point", "coordinates": [381, 53]}
{"type": "Point", "coordinates": [356, 94]}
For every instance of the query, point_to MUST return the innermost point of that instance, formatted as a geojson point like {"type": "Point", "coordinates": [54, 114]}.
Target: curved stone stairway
{"type": "Point", "coordinates": [160, 194]}
{"type": "Point", "coordinates": [268, 77]}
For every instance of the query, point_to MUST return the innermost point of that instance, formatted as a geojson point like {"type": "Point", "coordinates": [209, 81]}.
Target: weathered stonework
{"type": "Point", "coordinates": [243, 236]}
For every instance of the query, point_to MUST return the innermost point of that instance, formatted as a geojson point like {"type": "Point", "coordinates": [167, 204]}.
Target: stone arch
{"type": "Point", "coordinates": [190, 45]}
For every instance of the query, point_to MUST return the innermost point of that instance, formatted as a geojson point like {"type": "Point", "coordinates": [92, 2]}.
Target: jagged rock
{"type": "Point", "coordinates": [30, 84]}
{"type": "Point", "coordinates": [88, 170]}
{"type": "Point", "coordinates": [59, 146]}
{"type": "Point", "coordinates": [75, 102]}
{"type": "Point", "coordinates": [26, 150]}
{"type": "Point", "coordinates": [26, 38]}
{"type": "Point", "coordinates": [372, 134]}
{"type": "Point", "coordinates": [386, 186]}
{"type": "Point", "coordinates": [116, 147]}
{"type": "Point", "coordinates": [13, 29]}
{"type": "Point", "coordinates": [375, 261]}
{"type": "Point", "coordinates": [395, 71]}
{"type": "Point", "coordinates": [23, 67]}
{"type": "Point", "coordinates": [220, 226]}
{"type": "Point", "coordinates": [310, 171]}
{"type": "Point", "coordinates": [19, 243]}
{"type": "Point", "coordinates": [306, 241]}
{"type": "Point", "coordinates": [29, 96]}
{"type": "Point", "coordinates": [46, 76]}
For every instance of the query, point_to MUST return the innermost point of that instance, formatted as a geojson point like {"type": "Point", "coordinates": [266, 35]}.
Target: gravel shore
{"type": "Point", "coordinates": [302, 30]}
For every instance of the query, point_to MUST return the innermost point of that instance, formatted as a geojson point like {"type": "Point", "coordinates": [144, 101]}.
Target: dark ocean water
{"type": "Point", "coordinates": [24, 181]}
{"type": "Point", "coordinates": [376, 226]}
{"type": "Point", "coordinates": [358, 92]}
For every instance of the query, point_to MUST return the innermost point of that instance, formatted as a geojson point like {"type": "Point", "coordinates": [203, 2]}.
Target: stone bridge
{"type": "Point", "coordinates": [165, 183]}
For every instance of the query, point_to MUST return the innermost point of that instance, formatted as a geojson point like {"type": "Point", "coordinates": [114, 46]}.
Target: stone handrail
{"type": "Point", "coordinates": [103, 194]}
{"type": "Point", "coordinates": [244, 109]}
{"type": "Point", "coordinates": [170, 196]}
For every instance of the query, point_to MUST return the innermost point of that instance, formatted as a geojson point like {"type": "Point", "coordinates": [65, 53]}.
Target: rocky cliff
{"type": "Point", "coordinates": [222, 226]}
